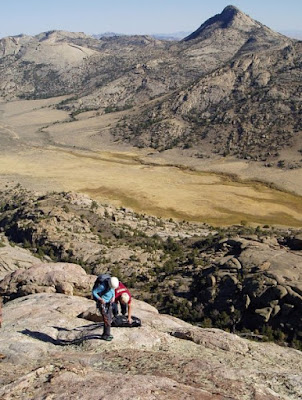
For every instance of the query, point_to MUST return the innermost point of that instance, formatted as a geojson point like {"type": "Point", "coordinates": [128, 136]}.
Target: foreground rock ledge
{"type": "Point", "coordinates": [51, 353]}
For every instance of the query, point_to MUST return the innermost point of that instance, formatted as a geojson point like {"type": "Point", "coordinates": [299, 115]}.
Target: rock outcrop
{"type": "Point", "coordinates": [14, 257]}
{"type": "Point", "coordinates": [253, 286]}
{"type": "Point", "coordinates": [231, 17]}
{"type": "Point", "coordinates": [51, 353]}
{"type": "Point", "coordinates": [63, 278]}
{"type": "Point", "coordinates": [227, 280]}
{"type": "Point", "coordinates": [246, 109]}
{"type": "Point", "coordinates": [71, 227]}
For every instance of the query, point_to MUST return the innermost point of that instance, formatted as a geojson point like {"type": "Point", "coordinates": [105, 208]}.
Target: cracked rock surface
{"type": "Point", "coordinates": [51, 353]}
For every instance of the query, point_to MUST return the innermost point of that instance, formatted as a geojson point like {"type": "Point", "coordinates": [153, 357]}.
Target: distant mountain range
{"type": "Point", "coordinates": [295, 34]}
{"type": "Point", "coordinates": [231, 87]}
{"type": "Point", "coordinates": [161, 36]}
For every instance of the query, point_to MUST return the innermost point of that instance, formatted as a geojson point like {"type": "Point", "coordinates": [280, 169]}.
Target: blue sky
{"type": "Point", "coordinates": [137, 16]}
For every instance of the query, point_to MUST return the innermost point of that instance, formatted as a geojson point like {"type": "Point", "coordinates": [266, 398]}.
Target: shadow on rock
{"type": "Point", "coordinates": [75, 336]}
{"type": "Point", "coordinates": [90, 327]}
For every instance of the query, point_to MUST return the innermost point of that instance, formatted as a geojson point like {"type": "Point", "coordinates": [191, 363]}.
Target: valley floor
{"type": "Point", "coordinates": [44, 150]}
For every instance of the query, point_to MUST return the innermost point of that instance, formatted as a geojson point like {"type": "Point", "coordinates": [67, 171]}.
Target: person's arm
{"type": "Point", "coordinates": [108, 296]}
{"type": "Point", "coordinates": [129, 313]}
{"type": "Point", "coordinates": [95, 292]}
{"type": "Point", "coordinates": [113, 298]}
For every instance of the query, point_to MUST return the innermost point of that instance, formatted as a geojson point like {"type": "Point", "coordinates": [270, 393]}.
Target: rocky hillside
{"type": "Point", "coordinates": [242, 279]}
{"type": "Point", "coordinates": [113, 71]}
{"type": "Point", "coordinates": [231, 87]}
{"type": "Point", "coordinates": [247, 109]}
{"type": "Point", "coordinates": [245, 279]}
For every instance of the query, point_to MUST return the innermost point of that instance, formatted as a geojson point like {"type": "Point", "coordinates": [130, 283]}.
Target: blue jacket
{"type": "Point", "coordinates": [99, 289]}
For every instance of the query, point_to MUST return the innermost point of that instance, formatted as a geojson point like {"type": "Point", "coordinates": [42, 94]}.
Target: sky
{"type": "Point", "coordinates": [137, 16]}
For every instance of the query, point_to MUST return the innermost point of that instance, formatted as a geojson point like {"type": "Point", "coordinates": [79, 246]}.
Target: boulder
{"type": "Point", "coordinates": [91, 314]}
{"type": "Point", "coordinates": [271, 294]}
{"type": "Point", "coordinates": [230, 262]}
{"type": "Point", "coordinates": [276, 310]}
{"type": "Point", "coordinates": [14, 257]}
{"type": "Point", "coordinates": [294, 297]}
{"type": "Point", "coordinates": [295, 243]}
{"type": "Point", "coordinates": [49, 278]}
{"type": "Point", "coordinates": [281, 265]}
{"type": "Point", "coordinates": [264, 313]}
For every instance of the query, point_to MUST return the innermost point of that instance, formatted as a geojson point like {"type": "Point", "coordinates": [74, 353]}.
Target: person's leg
{"type": "Point", "coordinates": [107, 321]}
{"type": "Point", "coordinates": [124, 308]}
{"type": "Point", "coordinates": [102, 311]}
{"type": "Point", "coordinates": [106, 331]}
{"type": "Point", "coordinates": [114, 309]}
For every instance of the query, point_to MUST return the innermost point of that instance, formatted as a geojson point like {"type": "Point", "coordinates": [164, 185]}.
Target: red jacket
{"type": "Point", "coordinates": [120, 290]}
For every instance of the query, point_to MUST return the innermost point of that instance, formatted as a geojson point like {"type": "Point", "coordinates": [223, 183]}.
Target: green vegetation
{"type": "Point", "coordinates": [171, 273]}
{"type": "Point", "coordinates": [112, 109]}
{"type": "Point", "coordinates": [80, 111]}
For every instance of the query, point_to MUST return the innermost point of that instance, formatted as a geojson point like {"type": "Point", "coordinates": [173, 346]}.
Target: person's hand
{"type": "Point", "coordinates": [102, 301]}
{"type": "Point", "coordinates": [130, 320]}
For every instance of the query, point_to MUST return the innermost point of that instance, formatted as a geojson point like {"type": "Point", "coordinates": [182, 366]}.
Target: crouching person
{"type": "Point", "coordinates": [103, 294]}
{"type": "Point", "coordinates": [122, 297]}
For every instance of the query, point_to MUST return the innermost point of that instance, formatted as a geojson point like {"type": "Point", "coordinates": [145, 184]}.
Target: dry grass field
{"type": "Point", "coordinates": [78, 156]}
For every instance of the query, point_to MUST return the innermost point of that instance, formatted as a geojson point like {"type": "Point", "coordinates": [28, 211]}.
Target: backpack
{"type": "Point", "coordinates": [104, 279]}
{"type": "Point", "coordinates": [121, 321]}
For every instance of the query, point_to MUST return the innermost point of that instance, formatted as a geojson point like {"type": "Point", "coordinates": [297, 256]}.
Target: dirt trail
{"type": "Point", "coordinates": [13, 134]}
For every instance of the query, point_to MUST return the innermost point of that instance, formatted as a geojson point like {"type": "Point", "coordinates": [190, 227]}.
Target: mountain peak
{"type": "Point", "coordinates": [231, 8]}
{"type": "Point", "coordinates": [229, 13]}
{"type": "Point", "coordinates": [57, 35]}
{"type": "Point", "coordinates": [231, 16]}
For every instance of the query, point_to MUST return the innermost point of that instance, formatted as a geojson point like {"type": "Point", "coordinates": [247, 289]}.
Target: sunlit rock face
{"type": "Point", "coordinates": [50, 351]}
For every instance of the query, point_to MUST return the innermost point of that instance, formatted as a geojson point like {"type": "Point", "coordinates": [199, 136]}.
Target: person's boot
{"type": "Point", "coordinates": [106, 334]}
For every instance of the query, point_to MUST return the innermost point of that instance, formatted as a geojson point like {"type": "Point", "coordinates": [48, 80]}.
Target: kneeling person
{"type": "Point", "coordinates": [123, 297]}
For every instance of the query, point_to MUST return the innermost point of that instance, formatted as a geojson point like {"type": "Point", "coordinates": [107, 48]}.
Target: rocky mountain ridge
{"type": "Point", "coordinates": [230, 17]}
{"type": "Point", "coordinates": [231, 87]}
{"type": "Point", "coordinates": [245, 109]}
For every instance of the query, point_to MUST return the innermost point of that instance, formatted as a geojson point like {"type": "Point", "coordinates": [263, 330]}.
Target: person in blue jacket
{"type": "Point", "coordinates": [104, 295]}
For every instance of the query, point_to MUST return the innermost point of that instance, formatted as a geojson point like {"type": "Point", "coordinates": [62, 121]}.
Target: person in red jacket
{"type": "Point", "coordinates": [123, 297]}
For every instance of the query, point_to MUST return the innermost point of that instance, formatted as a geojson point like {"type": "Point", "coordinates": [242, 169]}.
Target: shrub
{"type": "Point", "coordinates": [66, 208]}
{"type": "Point", "coordinates": [94, 205]}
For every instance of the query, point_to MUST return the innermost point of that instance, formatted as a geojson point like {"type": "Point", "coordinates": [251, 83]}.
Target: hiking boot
{"type": "Point", "coordinates": [108, 338]}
